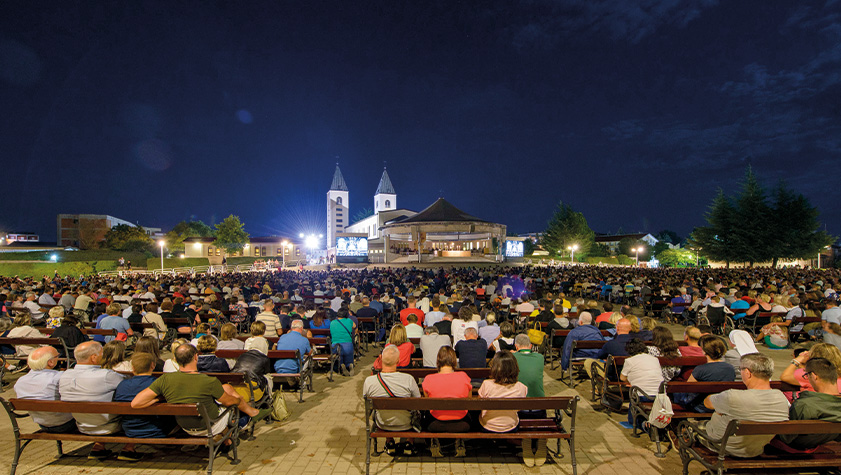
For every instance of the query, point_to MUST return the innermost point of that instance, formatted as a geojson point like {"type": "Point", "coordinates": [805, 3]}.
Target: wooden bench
{"type": "Point", "coordinates": [86, 331]}
{"type": "Point", "coordinates": [759, 319]}
{"type": "Point", "coordinates": [550, 428]}
{"type": "Point", "coordinates": [795, 335]}
{"type": "Point", "coordinates": [303, 377]}
{"type": "Point", "coordinates": [22, 360]}
{"type": "Point", "coordinates": [602, 386]}
{"type": "Point", "coordinates": [576, 364]}
{"type": "Point", "coordinates": [324, 353]}
{"type": "Point", "coordinates": [641, 407]}
{"type": "Point", "coordinates": [714, 457]}
{"type": "Point", "coordinates": [214, 444]}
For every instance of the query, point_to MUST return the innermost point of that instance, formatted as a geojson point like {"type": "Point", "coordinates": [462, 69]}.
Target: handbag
{"type": "Point", "coordinates": [661, 411]}
{"type": "Point", "coordinates": [536, 334]}
{"type": "Point", "coordinates": [280, 411]}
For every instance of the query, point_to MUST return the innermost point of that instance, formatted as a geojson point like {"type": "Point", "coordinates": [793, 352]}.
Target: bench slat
{"type": "Point", "coordinates": [471, 404]}
{"type": "Point", "coordinates": [120, 408]}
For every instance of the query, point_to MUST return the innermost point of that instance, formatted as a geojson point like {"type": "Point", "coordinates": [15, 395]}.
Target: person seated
{"type": "Point", "coordinates": [143, 364]}
{"type": "Point", "coordinates": [504, 383]}
{"type": "Point", "coordinates": [614, 347]}
{"type": "Point", "coordinates": [447, 383]}
{"type": "Point", "coordinates": [170, 365]}
{"type": "Point", "coordinates": [202, 329]}
{"type": "Point", "coordinates": [757, 403]}
{"type": "Point", "coordinates": [832, 334]}
{"type": "Point", "coordinates": [257, 341]}
{"type": "Point", "coordinates": [742, 345]}
{"type": "Point", "coordinates": [413, 330]}
{"type": "Point", "coordinates": [774, 335]}
{"type": "Point", "coordinates": [388, 382]}
{"type": "Point", "coordinates": [795, 373]}
{"type": "Point", "coordinates": [114, 357]}
{"type": "Point", "coordinates": [23, 329]}
{"type": "Point", "coordinates": [88, 382]}
{"type": "Point", "coordinates": [488, 329]}
{"type": "Point", "coordinates": [585, 331]}
{"type": "Point", "coordinates": [505, 342]}
{"type": "Point", "coordinates": [149, 344]}
{"type": "Point", "coordinates": [431, 343]}
{"type": "Point", "coordinates": [189, 386]}
{"type": "Point", "coordinates": [294, 340]}
{"type": "Point", "coordinates": [112, 320]}
{"type": "Point", "coordinates": [641, 370]}
{"type": "Point", "coordinates": [558, 323]}
{"type": "Point", "coordinates": [228, 338]}
{"type": "Point", "coordinates": [42, 383]}
{"type": "Point", "coordinates": [822, 404]}
{"type": "Point", "coordinates": [397, 338]}
{"type": "Point", "coordinates": [208, 361]}
{"type": "Point", "coordinates": [167, 308]}
{"type": "Point", "coordinates": [269, 319]}
{"type": "Point", "coordinates": [692, 336]}
{"type": "Point", "coordinates": [472, 351]}
{"type": "Point", "coordinates": [665, 346]}
{"type": "Point", "coordinates": [715, 369]}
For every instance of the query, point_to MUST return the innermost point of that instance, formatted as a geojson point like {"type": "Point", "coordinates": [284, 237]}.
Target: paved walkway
{"type": "Point", "coordinates": [326, 434]}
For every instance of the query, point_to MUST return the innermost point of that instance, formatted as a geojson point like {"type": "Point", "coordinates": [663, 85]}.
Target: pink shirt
{"type": "Point", "coordinates": [501, 421]}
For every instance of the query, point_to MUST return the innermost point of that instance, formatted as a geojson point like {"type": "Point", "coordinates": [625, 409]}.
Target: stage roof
{"type": "Point", "coordinates": [440, 211]}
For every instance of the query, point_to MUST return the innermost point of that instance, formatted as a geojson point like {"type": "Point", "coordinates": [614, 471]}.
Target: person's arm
{"type": "Point", "coordinates": [708, 402]}
{"type": "Point", "coordinates": [144, 398]}
{"type": "Point", "coordinates": [788, 375]}
{"type": "Point", "coordinates": [229, 400]}
{"type": "Point", "coordinates": [623, 377]}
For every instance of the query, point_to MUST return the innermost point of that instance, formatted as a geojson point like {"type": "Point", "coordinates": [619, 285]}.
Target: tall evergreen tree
{"type": "Point", "coordinates": [566, 228]}
{"type": "Point", "coordinates": [754, 224]}
{"type": "Point", "coordinates": [796, 227]}
{"type": "Point", "coordinates": [717, 239]}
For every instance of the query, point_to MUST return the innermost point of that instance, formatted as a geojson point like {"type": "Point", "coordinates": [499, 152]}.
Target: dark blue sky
{"type": "Point", "coordinates": [632, 112]}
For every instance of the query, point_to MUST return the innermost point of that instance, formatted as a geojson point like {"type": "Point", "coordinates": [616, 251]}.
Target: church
{"type": "Point", "coordinates": [439, 233]}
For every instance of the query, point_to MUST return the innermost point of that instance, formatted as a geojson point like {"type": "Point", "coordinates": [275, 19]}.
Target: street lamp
{"type": "Point", "coordinates": [284, 245]}
{"type": "Point", "coordinates": [572, 248]}
{"type": "Point", "coordinates": [819, 255]}
{"type": "Point", "coordinates": [637, 251]}
{"type": "Point", "coordinates": [161, 243]}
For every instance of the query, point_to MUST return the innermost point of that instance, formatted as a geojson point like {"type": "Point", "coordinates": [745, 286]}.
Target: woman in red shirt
{"type": "Point", "coordinates": [398, 338]}
{"type": "Point", "coordinates": [447, 383]}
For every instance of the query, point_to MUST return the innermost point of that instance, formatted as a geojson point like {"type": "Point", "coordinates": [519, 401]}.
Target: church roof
{"type": "Point", "coordinates": [338, 180]}
{"type": "Point", "coordinates": [441, 210]}
{"type": "Point", "coordinates": [385, 185]}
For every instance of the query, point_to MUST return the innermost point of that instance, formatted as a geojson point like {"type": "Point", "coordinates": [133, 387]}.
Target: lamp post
{"type": "Point", "coordinates": [637, 251]}
{"type": "Point", "coordinates": [572, 254]}
{"type": "Point", "coordinates": [819, 255]}
{"type": "Point", "coordinates": [161, 243]}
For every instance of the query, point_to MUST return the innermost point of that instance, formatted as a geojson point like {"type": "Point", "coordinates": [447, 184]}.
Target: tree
{"type": "Point", "coordinates": [183, 230]}
{"type": "Point", "coordinates": [676, 258]}
{"type": "Point", "coordinates": [795, 221]}
{"type": "Point", "coordinates": [528, 247]}
{"type": "Point", "coordinates": [91, 233]}
{"type": "Point", "coordinates": [627, 244]}
{"type": "Point", "coordinates": [124, 237]}
{"type": "Point", "coordinates": [362, 214]}
{"type": "Point", "coordinates": [230, 235]}
{"type": "Point", "coordinates": [717, 239]}
{"type": "Point", "coordinates": [753, 227]}
{"type": "Point", "coordinates": [658, 248]}
{"type": "Point", "coordinates": [568, 228]}
{"type": "Point", "coordinates": [599, 250]}
{"type": "Point", "coordinates": [668, 236]}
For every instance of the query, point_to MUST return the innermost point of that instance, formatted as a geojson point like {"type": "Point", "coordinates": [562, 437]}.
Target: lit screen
{"type": "Point", "coordinates": [513, 248]}
{"type": "Point", "coordinates": [352, 247]}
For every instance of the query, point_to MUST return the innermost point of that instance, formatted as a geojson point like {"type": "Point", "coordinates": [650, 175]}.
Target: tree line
{"type": "Point", "coordinates": [229, 234]}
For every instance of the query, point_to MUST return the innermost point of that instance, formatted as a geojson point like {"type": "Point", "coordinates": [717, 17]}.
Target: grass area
{"type": "Point", "coordinates": [76, 256]}
{"type": "Point", "coordinates": [38, 269]}
{"type": "Point", "coordinates": [170, 262]}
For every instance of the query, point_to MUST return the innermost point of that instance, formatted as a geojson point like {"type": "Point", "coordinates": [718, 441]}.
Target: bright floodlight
{"type": "Point", "coordinates": [311, 242]}
{"type": "Point", "coordinates": [161, 243]}
{"type": "Point", "coordinates": [301, 235]}
{"type": "Point", "coordinates": [54, 257]}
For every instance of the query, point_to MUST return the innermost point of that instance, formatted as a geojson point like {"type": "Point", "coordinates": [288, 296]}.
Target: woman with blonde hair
{"type": "Point", "coordinates": [171, 366]}
{"type": "Point", "coordinates": [795, 373]}
{"type": "Point", "coordinates": [23, 329]}
{"type": "Point", "coordinates": [398, 338]}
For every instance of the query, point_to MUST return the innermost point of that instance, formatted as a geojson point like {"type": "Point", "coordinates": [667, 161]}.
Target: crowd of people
{"type": "Point", "coordinates": [462, 318]}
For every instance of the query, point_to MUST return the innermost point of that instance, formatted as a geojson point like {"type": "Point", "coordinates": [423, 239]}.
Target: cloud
{"type": "Point", "coordinates": [632, 21]}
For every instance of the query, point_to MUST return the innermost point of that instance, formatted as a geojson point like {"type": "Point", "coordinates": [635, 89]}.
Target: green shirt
{"type": "Point", "coordinates": [190, 388]}
{"type": "Point", "coordinates": [813, 406]}
{"type": "Point", "coordinates": [341, 331]}
{"type": "Point", "coordinates": [531, 371]}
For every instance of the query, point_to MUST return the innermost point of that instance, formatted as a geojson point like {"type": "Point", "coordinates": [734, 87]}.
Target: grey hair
{"type": "Point", "coordinates": [430, 330]}
{"type": "Point", "coordinates": [391, 355]}
{"type": "Point", "coordinates": [471, 331]}
{"type": "Point", "coordinates": [297, 324]}
{"type": "Point", "coordinates": [522, 341]}
{"type": "Point", "coordinates": [585, 318]}
{"type": "Point", "coordinates": [84, 352]}
{"type": "Point", "coordinates": [758, 364]}
{"type": "Point", "coordinates": [39, 360]}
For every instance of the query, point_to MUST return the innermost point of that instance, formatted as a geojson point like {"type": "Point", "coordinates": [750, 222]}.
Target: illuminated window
{"type": "Point", "coordinates": [209, 250]}
{"type": "Point", "coordinates": [286, 251]}
{"type": "Point", "coordinates": [256, 251]}
{"type": "Point", "coordinates": [297, 252]}
{"type": "Point", "coordinates": [218, 251]}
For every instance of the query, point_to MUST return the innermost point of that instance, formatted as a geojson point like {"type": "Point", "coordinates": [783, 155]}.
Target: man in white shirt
{"type": "Point", "coordinates": [42, 383]}
{"type": "Point", "coordinates": [149, 295]}
{"type": "Point", "coordinates": [46, 298]}
{"type": "Point", "coordinates": [34, 309]}
{"type": "Point", "coordinates": [832, 314]}
{"type": "Point", "coordinates": [525, 307]}
{"type": "Point", "coordinates": [436, 315]}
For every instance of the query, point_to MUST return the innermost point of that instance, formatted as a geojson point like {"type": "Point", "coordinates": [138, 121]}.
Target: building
{"type": "Point", "coordinates": [269, 247]}
{"type": "Point", "coordinates": [21, 237]}
{"type": "Point", "coordinates": [392, 234]}
{"type": "Point", "coordinates": [86, 231]}
{"type": "Point", "coordinates": [612, 240]}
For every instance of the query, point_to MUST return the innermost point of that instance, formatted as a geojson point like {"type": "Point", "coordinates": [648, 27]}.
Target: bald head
{"type": "Point", "coordinates": [623, 326]}
{"type": "Point", "coordinates": [391, 355]}
{"type": "Point", "coordinates": [88, 352]}
{"type": "Point", "coordinates": [44, 357]}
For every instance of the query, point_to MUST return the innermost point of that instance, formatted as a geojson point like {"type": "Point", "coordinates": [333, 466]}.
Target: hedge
{"type": "Point", "coordinates": [38, 269]}
{"type": "Point", "coordinates": [76, 256]}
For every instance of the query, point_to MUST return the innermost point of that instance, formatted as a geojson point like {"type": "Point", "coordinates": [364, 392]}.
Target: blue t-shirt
{"type": "Point", "coordinates": [739, 305]}
{"type": "Point", "coordinates": [291, 341]}
{"type": "Point", "coordinates": [141, 426]}
{"type": "Point", "coordinates": [111, 322]}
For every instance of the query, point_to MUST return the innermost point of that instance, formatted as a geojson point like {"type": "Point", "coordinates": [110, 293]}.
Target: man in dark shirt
{"type": "Point", "coordinates": [822, 404]}
{"type": "Point", "coordinates": [614, 347]}
{"type": "Point", "coordinates": [546, 314]}
{"type": "Point", "coordinates": [445, 325]}
{"type": "Point", "coordinates": [472, 351]}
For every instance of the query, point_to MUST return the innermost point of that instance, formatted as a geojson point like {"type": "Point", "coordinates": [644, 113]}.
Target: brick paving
{"type": "Point", "coordinates": [326, 434]}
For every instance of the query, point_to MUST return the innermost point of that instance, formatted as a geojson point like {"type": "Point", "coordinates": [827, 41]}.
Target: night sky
{"type": "Point", "coordinates": [635, 113]}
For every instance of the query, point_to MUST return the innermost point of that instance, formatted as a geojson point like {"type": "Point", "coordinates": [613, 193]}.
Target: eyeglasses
{"type": "Point", "coordinates": [808, 373]}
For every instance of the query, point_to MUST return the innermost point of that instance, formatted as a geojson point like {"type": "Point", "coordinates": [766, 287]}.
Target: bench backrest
{"type": "Point", "coordinates": [30, 341]}
{"type": "Point", "coordinates": [272, 354]}
{"type": "Point", "coordinates": [784, 427]}
{"type": "Point", "coordinates": [715, 387]}
{"type": "Point", "coordinates": [473, 373]}
{"type": "Point", "coordinates": [121, 408]}
{"type": "Point", "coordinates": [472, 404]}
{"type": "Point", "coordinates": [272, 339]}
{"type": "Point", "coordinates": [86, 331]}
{"type": "Point", "coordinates": [664, 361]}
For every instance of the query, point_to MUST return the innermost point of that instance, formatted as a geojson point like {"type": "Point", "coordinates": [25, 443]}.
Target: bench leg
{"type": "Point", "coordinates": [60, 452]}
{"type": "Point", "coordinates": [367, 456]}
{"type": "Point", "coordinates": [655, 435]}
{"type": "Point", "coordinates": [301, 385]}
